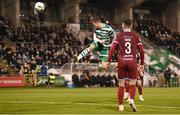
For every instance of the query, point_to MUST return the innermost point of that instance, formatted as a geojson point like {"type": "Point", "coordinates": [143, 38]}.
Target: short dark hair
{"type": "Point", "coordinates": [95, 19]}
{"type": "Point", "coordinates": [127, 22]}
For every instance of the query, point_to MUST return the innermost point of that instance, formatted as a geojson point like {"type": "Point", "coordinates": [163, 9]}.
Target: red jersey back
{"type": "Point", "coordinates": [128, 42]}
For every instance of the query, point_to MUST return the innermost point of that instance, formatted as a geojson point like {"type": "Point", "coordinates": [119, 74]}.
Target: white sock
{"type": "Point", "coordinates": [83, 53]}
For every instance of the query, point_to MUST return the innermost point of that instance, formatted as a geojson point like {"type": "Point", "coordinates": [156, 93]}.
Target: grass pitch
{"type": "Point", "coordinates": [85, 101]}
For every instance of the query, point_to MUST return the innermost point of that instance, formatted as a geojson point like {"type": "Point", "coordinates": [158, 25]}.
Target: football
{"type": "Point", "coordinates": [39, 6]}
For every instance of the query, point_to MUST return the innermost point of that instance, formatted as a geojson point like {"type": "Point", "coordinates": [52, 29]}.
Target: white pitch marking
{"type": "Point", "coordinates": [98, 104]}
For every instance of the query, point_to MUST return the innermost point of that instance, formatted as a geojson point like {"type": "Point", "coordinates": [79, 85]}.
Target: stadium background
{"type": "Point", "coordinates": [33, 44]}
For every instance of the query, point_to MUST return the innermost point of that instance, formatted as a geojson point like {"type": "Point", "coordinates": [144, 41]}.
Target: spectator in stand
{"type": "Point", "coordinates": [53, 45]}
{"type": "Point", "coordinates": [76, 80]}
{"type": "Point", "coordinates": [85, 79]}
{"type": "Point", "coordinates": [31, 51]}
{"type": "Point", "coordinates": [3, 71]}
{"type": "Point", "coordinates": [44, 70]}
{"type": "Point", "coordinates": [94, 80]}
{"type": "Point", "coordinates": [160, 34]}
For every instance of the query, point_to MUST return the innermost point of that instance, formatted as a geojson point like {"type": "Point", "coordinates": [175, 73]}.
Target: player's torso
{"type": "Point", "coordinates": [106, 33]}
{"type": "Point", "coordinates": [127, 46]}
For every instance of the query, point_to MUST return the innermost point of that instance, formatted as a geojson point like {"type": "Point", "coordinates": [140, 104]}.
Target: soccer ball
{"type": "Point", "coordinates": [39, 6]}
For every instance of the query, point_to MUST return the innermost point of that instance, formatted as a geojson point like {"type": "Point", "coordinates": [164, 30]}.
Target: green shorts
{"type": "Point", "coordinates": [102, 50]}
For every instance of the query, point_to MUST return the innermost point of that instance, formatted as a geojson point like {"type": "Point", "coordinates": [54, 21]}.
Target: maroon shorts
{"type": "Point", "coordinates": [127, 69]}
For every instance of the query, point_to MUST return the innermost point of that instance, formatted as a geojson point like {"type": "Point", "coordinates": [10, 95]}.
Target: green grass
{"type": "Point", "coordinates": [84, 101]}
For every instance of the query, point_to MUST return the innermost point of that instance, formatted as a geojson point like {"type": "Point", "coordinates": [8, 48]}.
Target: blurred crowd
{"type": "Point", "coordinates": [32, 45]}
{"type": "Point", "coordinates": [160, 34]}
{"type": "Point", "coordinates": [4, 25]}
{"type": "Point", "coordinates": [3, 71]}
{"type": "Point", "coordinates": [87, 79]}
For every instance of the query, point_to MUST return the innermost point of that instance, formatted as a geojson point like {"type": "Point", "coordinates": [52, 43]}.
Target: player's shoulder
{"type": "Point", "coordinates": [120, 33]}
{"type": "Point", "coordinates": [132, 33]}
{"type": "Point", "coordinates": [137, 37]}
{"type": "Point", "coordinates": [135, 34]}
{"type": "Point", "coordinates": [108, 26]}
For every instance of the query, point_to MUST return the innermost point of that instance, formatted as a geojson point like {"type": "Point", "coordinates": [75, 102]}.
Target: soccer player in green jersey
{"type": "Point", "coordinates": [102, 39]}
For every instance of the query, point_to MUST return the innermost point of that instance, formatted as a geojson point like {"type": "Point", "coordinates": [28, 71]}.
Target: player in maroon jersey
{"type": "Point", "coordinates": [128, 43]}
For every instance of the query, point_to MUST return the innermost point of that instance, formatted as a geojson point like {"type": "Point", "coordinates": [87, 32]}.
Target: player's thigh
{"type": "Point", "coordinates": [122, 82]}
{"type": "Point", "coordinates": [132, 70]}
{"type": "Point", "coordinates": [103, 59]}
{"type": "Point", "coordinates": [132, 82]}
{"type": "Point", "coordinates": [104, 54]}
{"type": "Point", "coordinates": [139, 82]}
{"type": "Point", "coordinates": [122, 71]}
{"type": "Point", "coordinates": [93, 46]}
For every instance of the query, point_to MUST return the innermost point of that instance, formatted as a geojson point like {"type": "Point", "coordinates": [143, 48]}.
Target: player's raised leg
{"type": "Point", "coordinates": [85, 52]}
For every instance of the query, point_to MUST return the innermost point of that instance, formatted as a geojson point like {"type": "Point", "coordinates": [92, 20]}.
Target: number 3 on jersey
{"type": "Point", "coordinates": [128, 47]}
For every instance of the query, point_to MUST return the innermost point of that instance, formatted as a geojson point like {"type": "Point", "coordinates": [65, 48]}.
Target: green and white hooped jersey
{"type": "Point", "coordinates": [106, 33]}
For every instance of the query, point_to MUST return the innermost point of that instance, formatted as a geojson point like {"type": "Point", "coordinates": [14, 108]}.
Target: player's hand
{"type": "Point", "coordinates": [106, 65]}
{"type": "Point", "coordinates": [141, 68]}
{"type": "Point", "coordinates": [116, 67]}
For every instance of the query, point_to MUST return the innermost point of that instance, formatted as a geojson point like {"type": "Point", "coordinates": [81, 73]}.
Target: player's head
{"type": "Point", "coordinates": [96, 22]}
{"type": "Point", "coordinates": [126, 24]}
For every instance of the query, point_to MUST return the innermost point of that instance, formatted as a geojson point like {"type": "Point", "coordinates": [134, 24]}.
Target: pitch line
{"type": "Point", "coordinates": [78, 103]}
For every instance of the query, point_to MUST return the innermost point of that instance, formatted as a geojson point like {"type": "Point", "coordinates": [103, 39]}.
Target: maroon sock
{"type": "Point", "coordinates": [140, 89]}
{"type": "Point", "coordinates": [132, 91]}
{"type": "Point", "coordinates": [127, 87]}
{"type": "Point", "coordinates": [120, 95]}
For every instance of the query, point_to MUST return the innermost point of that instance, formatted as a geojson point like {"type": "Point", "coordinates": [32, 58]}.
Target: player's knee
{"type": "Point", "coordinates": [121, 83]}
{"type": "Point", "coordinates": [139, 83]}
{"type": "Point", "coordinates": [91, 47]}
{"type": "Point", "coordinates": [132, 82]}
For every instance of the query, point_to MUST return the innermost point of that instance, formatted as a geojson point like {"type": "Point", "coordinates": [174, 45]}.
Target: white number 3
{"type": "Point", "coordinates": [128, 47]}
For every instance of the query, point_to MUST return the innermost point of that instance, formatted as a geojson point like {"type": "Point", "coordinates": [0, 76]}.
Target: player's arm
{"type": "Point", "coordinates": [98, 40]}
{"type": "Point", "coordinates": [141, 51]}
{"type": "Point", "coordinates": [112, 50]}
